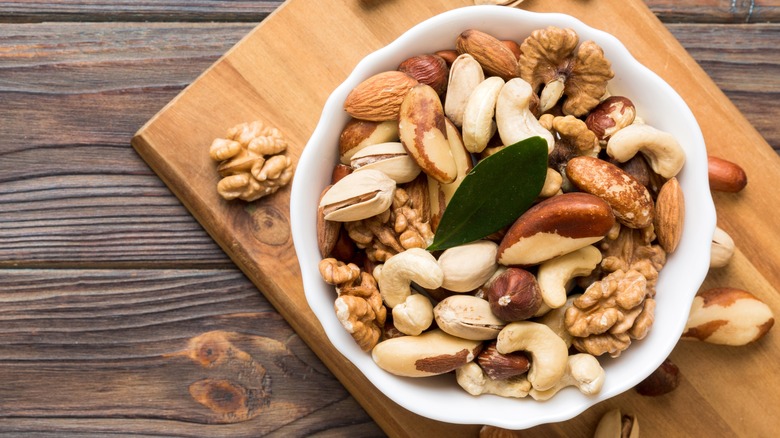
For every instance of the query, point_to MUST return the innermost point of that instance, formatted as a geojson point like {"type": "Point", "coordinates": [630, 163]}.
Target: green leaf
{"type": "Point", "coordinates": [495, 193]}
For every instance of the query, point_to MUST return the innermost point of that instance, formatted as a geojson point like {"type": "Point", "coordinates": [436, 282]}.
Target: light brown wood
{"type": "Point", "coordinates": [283, 71]}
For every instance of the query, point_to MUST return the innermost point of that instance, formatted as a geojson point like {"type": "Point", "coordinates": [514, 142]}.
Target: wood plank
{"type": "Point", "coordinates": [110, 77]}
{"type": "Point", "coordinates": [76, 92]}
{"type": "Point", "coordinates": [129, 10]}
{"type": "Point", "coordinates": [112, 351]}
{"type": "Point", "coordinates": [263, 255]}
{"type": "Point", "coordinates": [120, 174]}
{"type": "Point", "coordinates": [72, 191]}
{"type": "Point", "coordinates": [671, 11]}
{"type": "Point", "coordinates": [714, 11]}
{"type": "Point", "coordinates": [743, 62]}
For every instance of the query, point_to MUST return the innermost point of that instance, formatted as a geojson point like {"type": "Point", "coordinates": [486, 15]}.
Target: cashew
{"type": "Point", "coordinates": [583, 371]}
{"type": "Point", "coordinates": [414, 315]}
{"type": "Point", "coordinates": [465, 74]}
{"type": "Point", "coordinates": [478, 124]}
{"type": "Point", "coordinates": [399, 271]}
{"type": "Point", "coordinates": [661, 149]}
{"type": "Point", "coordinates": [554, 274]}
{"type": "Point", "coordinates": [471, 378]}
{"type": "Point", "coordinates": [467, 267]}
{"type": "Point", "coordinates": [722, 248]}
{"type": "Point", "coordinates": [514, 119]}
{"type": "Point", "coordinates": [548, 351]}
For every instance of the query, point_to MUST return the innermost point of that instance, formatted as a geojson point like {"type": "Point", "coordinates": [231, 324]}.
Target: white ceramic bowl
{"type": "Point", "coordinates": [440, 397]}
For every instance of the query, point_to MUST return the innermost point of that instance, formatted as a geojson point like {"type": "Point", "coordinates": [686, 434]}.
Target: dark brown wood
{"type": "Point", "coordinates": [715, 11]}
{"type": "Point", "coordinates": [195, 352]}
{"type": "Point", "coordinates": [690, 11]}
{"type": "Point", "coordinates": [72, 191]}
{"type": "Point", "coordinates": [743, 60]}
{"type": "Point", "coordinates": [110, 350]}
{"type": "Point", "coordinates": [75, 194]}
{"type": "Point", "coordinates": [129, 10]}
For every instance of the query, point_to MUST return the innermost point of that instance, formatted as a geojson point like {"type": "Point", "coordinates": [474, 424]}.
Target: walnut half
{"type": "Point", "coordinates": [251, 161]}
{"type": "Point", "coordinates": [619, 307]}
{"type": "Point", "coordinates": [359, 306]}
{"type": "Point", "coordinates": [553, 60]}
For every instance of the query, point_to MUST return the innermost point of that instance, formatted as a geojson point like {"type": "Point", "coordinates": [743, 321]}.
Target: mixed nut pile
{"type": "Point", "coordinates": [527, 309]}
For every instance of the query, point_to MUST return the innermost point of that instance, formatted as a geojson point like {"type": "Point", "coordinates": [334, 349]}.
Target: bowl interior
{"type": "Point", "coordinates": [440, 398]}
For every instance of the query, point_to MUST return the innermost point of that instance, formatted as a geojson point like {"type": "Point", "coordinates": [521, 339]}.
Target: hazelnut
{"type": "Point", "coordinates": [427, 69]}
{"type": "Point", "coordinates": [611, 115]}
{"type": "Point", "coordinates": [499, 366]}
{"type": "Point", "coordinates": [514, 295]}
{"type": "Point", "coordinates": [662, 381]}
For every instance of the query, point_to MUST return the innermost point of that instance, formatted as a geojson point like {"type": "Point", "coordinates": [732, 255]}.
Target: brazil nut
{"type": "Point", "coordinates": [555, 226]}
{"type": "Point", "coordinates": [431, 353]}
{"type": "Point", "coordinates": [630, 200]}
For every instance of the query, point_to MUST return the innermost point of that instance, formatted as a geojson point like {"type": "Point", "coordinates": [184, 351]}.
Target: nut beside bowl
{"type": "Point", "coordinates": [439, 397]}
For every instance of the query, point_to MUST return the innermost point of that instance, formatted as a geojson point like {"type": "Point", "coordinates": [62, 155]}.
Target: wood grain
{"type": "Point", "coordinates": [76, 92]}
{"type": "Point", "coordinates": [109, 351]}
{"type": "Point", "coordinates": [742, 60]}
{"type": "Point", "coordinates": [129, 10]}
{"type": "Point", "coordinates": [264, 260]}
{"type": "Point", "coordinates": [709, 11]}
{"type": "Point", "coordinates": [190, 352]}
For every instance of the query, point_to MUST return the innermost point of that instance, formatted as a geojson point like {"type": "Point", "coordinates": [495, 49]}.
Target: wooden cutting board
{"type": "Point", "coordinates": [282, 73]}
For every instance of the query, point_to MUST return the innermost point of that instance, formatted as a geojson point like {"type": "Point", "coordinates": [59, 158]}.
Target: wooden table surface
{"type": "Point", "coordinates": [117, 310]}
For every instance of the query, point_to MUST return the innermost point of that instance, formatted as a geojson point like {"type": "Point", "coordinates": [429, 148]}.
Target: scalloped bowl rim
{"type": "Point", "coordinates": [440, 398]}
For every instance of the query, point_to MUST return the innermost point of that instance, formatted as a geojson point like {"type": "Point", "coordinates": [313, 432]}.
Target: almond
{"type": "Point", "coordinates": [669, 215]}
{"type": "Point", "coordinates": [379, 97]}
{"type": "Point", "coordinates": [513, 47]}
{"type": "Point", "coordinates": [725, 176]}
{"type": "Point", "coordinates": [629, 199]}
{"type": "Point", "coordinates": [499, 366]}
{"type": "Point", "coordinates": [494, 56]}
{"type": "Point", "coordinates": [447, 55]}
